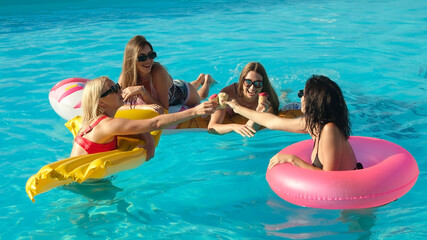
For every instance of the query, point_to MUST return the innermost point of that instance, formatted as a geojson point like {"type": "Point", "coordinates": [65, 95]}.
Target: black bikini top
{"type": "Point", "coordinates": [318, 164]}
{"type": "Point", "coordinates": [316, 161]}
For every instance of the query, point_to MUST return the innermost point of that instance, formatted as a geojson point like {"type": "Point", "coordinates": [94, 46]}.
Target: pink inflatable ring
{"type": "Point", "coordinates": [389, 172]}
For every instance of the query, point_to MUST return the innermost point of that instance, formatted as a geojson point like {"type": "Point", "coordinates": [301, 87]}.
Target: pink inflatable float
{"type": "Point", "coordinates": [65, 97]}
{"type": "Point", "coordinates": [389, 172]}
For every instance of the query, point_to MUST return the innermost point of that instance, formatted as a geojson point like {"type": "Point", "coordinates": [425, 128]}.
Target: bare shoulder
{"type": "Point", "coordinates": [160, 75]}
{"type": "Point", "coordinates": [158, 69]}
{"type": "Point", "coordinates": [330, 128]}
{"type": "Point", "coordinates": [331, 133]}
{"type": "Point", "coordinates": [112, 123]}
{"type": "Point", "coordinates": [121, 79]}
{"type": "Point", "coordinates": [230, 90]}
{"type": "Point", "coordinates": [227, 88]}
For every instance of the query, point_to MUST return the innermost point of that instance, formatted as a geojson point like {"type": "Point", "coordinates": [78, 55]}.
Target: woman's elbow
{"type": "Point", "coordinates": [270, 125]}
{"type": "Point", "coordinates": [152, 124]}
{"type": "Point", "coordinates": [156, 126]}
{"type": "Point", "coordinates": [211, 129]}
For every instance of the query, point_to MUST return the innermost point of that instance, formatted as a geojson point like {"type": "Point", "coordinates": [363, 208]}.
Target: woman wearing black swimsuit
{"type": "Point", "coordinates": [325, 116]}
{"type": "Point", "coordinates": [147, 84]}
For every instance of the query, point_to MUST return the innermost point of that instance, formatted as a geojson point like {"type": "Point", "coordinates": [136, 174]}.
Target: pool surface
{"type": "Point", "coordinates": [202, 186]}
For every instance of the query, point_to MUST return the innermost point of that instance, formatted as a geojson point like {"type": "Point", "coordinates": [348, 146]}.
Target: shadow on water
{"type": "Point", "coordinates": [99, 190]}
{"type": "Point", "coordinates": [307, 223]}
{"type": "Point", "coordinates": [104, 210]}
{"type": "Point", "coordinates": [359, 221]}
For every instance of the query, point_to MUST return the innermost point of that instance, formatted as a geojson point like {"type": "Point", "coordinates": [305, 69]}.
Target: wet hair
{"type": "Point", "coordinates": [130, 59]}
{"type": "Point", "coordinates": [324, 103]}
{"type": "Point", "coordinates": [90, 100]}
{"type": "Point", "coordinates": [267, 87]}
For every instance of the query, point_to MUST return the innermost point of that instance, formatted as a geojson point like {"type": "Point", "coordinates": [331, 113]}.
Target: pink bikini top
{"type": "Point", "coordinates": [93, 147]}
{"type": "Point", "coordinates": [137, 99]}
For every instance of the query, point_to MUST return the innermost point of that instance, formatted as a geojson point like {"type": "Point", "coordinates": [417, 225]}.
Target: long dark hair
{"type": "Point", "coordinates": [324, 103]}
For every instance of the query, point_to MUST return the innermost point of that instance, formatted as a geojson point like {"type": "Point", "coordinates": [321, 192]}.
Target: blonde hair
{"type": "Point", "coordinates": [129, 70]}
{"type": "Point", "coordinates": [90, 100]}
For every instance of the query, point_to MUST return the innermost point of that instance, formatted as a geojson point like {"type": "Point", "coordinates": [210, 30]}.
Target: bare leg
{"type": "Point", "coordinates": [205, 80]}
{"type": "Point", "coordinates": [194, 98]}
{"type": "Point", "coordinates": [204, 90]}
{"type": "Point", "coordinates": [199, 81]}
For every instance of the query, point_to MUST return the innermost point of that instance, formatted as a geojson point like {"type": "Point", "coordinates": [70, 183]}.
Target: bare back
{"type": "Point", "coordinates": [332, 150]}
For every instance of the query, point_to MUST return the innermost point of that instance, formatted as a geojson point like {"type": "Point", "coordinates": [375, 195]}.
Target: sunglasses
{"type": "Point", "coordinates": [114, 89]}
{"type": "Point", "coordinates": [300, 93]}
{"type": "Point", "coordinates": [248, 83]}
{"type": "Point", "coordinates": [150, 55]}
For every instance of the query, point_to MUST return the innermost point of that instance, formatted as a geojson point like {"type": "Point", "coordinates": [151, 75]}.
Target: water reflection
{"type": "Point", "coordinates": [308, 223]}
{"type": "Point", "coordinates": [96, 190]}
{"type": "Point", "coordinates": [105, 211]}
{"type": "Point", "coordinates": [359, 221]}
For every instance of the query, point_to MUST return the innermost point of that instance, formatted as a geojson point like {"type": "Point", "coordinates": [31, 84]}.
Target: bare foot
{"type": "Point", "coordinates": [204, 90]}
{"type": "Point", "coordinates": [209, 80]}
{"type": "Point", "coordinates": [199, 81]}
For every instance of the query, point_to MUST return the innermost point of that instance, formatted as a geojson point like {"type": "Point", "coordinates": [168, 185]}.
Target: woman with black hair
{"type": "Point", "coordinates": [325, 119]}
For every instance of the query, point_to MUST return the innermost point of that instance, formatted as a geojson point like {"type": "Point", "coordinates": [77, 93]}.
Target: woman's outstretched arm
{"type": "Point", "coordinates": [270, 120]}
{"type": "Point", "coordinates": [121, 126]}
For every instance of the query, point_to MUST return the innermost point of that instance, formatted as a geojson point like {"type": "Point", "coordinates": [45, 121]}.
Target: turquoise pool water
{"type": "Point", "coordinates": [202, 186]}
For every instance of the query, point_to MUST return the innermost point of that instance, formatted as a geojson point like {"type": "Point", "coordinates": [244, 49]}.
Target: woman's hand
{"type": "Point", "coordinates": [205, 108]}
{"type": "Point", "coordinates": [292, 159]}
{"type": "Point", "coordinates": [150, 145]}
{"type": "Point", "coordinates": [131, 91]}
{"type": "Point", "coordinates": [279, 158]}
{"type": "Point", "coordinates": [244, 130]}
{"type": "Point", "coordinates": [263, 106]}
{"type": "Point", "coordinates": [233, 104]}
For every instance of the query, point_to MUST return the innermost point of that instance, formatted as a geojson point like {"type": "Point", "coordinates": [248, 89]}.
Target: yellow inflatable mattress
{"type": "Point", "coordinates": [92, 166]}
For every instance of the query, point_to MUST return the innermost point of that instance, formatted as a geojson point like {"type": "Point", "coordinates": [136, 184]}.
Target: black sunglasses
{"type": "Point", "coordinates": [248, 83]}
{"type": "Point", "coordinates": [300, 93]}
{"type": "Point", "coordinates": [114, 89]}
{"type": "Point", "coordinates": [150, 55]}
